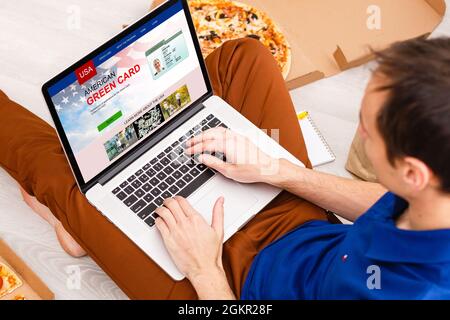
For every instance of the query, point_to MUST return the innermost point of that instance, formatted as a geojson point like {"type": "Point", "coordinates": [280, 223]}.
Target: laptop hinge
{"type": "Point", "coordinates": [154, 140]}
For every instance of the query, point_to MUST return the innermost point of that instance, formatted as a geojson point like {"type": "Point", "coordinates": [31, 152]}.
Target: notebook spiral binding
{"type": "Point", "coordinates": [322, 138]}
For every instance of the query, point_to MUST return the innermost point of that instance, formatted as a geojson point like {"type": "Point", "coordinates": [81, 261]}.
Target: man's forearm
{"type": "Point", "coordinates": [212, 286]}
{"type": "Point", "coordinates": [348, 198]}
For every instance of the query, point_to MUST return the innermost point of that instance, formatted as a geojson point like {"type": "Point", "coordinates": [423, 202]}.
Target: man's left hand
{"type": "Point", "coordinates": [195, 246]}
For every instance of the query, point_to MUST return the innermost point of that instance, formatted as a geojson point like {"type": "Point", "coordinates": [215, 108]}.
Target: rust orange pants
{"type": "Point", "coordinates": [244, 74]}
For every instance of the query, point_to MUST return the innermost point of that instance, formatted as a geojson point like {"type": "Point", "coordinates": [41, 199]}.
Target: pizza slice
{"type": "Point", "coordinates": [9, 281]}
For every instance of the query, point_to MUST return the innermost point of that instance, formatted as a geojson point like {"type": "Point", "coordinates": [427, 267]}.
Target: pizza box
{"type": "Point", "coordinates": [32, 288]}
{"type": "Point", "coordinates": [329, 36]}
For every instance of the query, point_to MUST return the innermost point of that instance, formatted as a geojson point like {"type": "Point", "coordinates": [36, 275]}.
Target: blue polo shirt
{"type": "Point", "coordinates": [371, 259]}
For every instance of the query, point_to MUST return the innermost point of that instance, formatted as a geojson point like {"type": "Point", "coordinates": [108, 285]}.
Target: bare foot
{"type": "Point", "coordinates": [65, 239]}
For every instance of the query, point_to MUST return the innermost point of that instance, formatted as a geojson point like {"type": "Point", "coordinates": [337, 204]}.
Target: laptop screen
{"type": "Point", "coordinates": [110, 104]}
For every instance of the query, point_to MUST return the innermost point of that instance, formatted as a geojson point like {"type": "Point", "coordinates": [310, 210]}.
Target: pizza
{"type": "Point", "coordinates": [217, 21]}
{"type": "Point", "coordinates": [9, 281]}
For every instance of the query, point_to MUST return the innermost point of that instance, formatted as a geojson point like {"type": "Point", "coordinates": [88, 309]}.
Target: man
{"type": "Point", "coordinates": [399, 248]}
{"type": "Point", "coordinates": [157, 66]}
{"type": "Point", "coordinates": [119, 144]}
{"type": "Point", "coordinates": [314, 253]}
{"type": "Point", "coordinates": [178, 98]}
{"type": "Point", "coordinates": [168, 108]}
{"type": "Point", "coordinates": [239, 71]}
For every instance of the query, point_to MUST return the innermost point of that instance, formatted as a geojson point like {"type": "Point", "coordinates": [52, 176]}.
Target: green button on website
{"type": "Point", "coordinates": [109, 121]}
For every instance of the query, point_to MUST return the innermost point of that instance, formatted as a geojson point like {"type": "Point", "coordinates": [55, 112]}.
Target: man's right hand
{"type": "Point", "coordinates": [245, 162]}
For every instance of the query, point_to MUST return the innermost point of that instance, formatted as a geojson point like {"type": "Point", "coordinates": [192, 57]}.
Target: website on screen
{"type": "Point", "coordinates": [111, 103]}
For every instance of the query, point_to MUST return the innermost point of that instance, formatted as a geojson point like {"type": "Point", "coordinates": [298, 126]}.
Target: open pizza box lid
{"type": "Point", "coordinates": [329, 36]}
{"type": "Point", "coordinates": [33, 288]}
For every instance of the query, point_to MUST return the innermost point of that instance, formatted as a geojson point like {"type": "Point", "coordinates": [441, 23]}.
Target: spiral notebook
{"type": "Point", "coordinates": [319, 151]}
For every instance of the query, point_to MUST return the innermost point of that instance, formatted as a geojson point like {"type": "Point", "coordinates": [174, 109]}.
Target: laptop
{"type": "Point", "coordinates": [123, 113]}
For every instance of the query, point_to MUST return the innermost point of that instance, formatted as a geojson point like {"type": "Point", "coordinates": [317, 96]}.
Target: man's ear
{"type": "Point", "coordinates": [416, 174]}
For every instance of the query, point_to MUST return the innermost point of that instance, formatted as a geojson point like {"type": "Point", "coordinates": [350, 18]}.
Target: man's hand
{"type": "Point", "coordinates": [245, 162]}
{"type": "Point", "coordinates": [196, 247]}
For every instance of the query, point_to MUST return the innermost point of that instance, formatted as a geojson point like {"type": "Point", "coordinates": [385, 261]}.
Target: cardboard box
{"type": "Point", "coordinates": [329, 36]}
{"type": "Point", "coordinates": [33, 288]}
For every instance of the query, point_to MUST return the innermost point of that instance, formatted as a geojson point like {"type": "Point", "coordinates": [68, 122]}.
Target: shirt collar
{"type": "Point", "coordinates": [388, 243]}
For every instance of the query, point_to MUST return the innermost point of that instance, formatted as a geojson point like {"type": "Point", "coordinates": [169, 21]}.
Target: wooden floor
{"type": "Point", "coordinates": [36, 43]}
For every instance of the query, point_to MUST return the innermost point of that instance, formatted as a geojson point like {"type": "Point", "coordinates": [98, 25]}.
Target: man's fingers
{"type": "Point", "coordinates": [167, 216]}
{"type": "Point", "coordinates": [207, 145]}
{"type": "Point", "coordinates": [162, 227]}
{"type": "Point", "coordinates": [218, 216]}
{"type": "Point", "coordinates": [185, 206]}
{"type": "Point", "coordinates": [213, 162]}
{"type": "Point", "coordinates": [175, 209]}
{"type": "Point", "coordinates": [211, 134]}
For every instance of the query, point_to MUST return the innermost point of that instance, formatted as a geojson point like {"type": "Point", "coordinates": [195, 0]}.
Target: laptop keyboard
{"type": "Point", "coordinates": [169, 174]}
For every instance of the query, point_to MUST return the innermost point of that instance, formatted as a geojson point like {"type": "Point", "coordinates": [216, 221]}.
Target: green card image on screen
{"type": "Point", "coordinates": [167, 54]}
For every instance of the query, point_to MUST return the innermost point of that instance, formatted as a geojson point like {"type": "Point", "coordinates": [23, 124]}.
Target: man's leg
{"type": "Point", "coordinates": [246, 76]}
{"type": "Point", "coordinates": [33, 156]}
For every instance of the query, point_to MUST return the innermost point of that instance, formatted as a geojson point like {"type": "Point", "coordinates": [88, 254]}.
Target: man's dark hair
{"type": "Point", "coordinates": [415, 120]}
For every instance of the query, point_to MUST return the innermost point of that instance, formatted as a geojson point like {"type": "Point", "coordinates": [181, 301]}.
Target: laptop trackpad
{"type": "Point", "coordinates": [237, 200]}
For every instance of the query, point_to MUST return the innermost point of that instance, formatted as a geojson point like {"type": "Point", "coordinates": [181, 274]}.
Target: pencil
{"type": "Point", "coordinates": [302, 115]}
